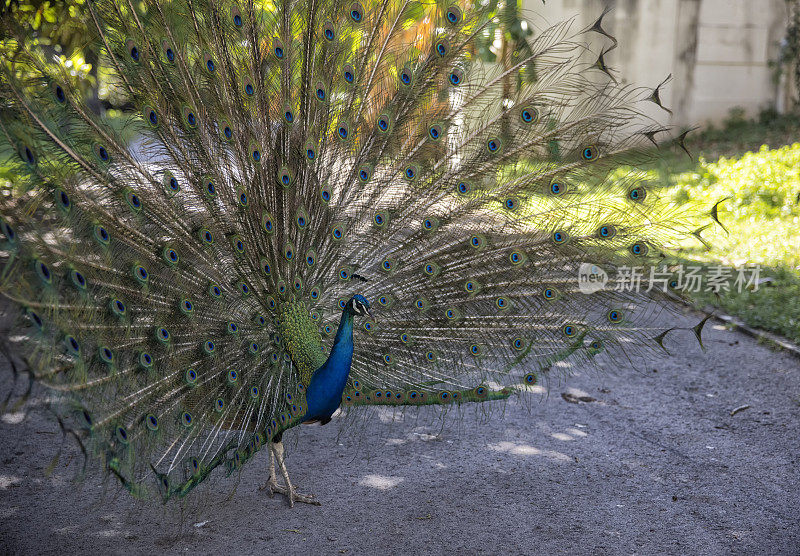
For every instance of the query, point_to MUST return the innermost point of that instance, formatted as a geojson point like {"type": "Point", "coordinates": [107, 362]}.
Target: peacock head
{"type": "Point", "coordinates": [358, 305]}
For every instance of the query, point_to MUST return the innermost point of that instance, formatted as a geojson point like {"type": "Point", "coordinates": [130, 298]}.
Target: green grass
{"type": "Point", "coordinates": [775, 306]}
{"type": "Point", "coordinates": [757, 168]}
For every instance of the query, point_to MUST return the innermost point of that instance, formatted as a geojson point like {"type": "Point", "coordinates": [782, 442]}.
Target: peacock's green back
{"type": "Point", "coordinates": [180, 277]}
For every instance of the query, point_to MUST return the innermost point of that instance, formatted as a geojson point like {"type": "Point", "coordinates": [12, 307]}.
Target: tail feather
{"type": "Point", "coordinates": [179, 279]}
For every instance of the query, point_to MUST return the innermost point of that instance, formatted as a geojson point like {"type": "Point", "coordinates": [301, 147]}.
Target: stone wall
{"type": "Point", "coordinates": [719, 52]}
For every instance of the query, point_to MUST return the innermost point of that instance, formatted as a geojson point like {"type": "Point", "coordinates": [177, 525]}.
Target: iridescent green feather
{"type": "Point", "coordinates": [179, 284]}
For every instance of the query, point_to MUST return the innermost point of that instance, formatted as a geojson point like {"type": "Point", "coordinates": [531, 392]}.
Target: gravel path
{"type": "Point", "coordinates": [654, 464]}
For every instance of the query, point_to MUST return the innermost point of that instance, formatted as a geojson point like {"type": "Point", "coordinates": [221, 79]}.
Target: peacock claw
{"type": "Point", "coordinates": [271, 484]}
{"type": "Point", "coordinates": [291, 494]}
{"type": "Point", "coordinates": [276, 453]}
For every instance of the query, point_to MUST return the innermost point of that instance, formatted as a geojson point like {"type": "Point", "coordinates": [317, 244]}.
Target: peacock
{"type": "Point", "coordinates": [313, 205]}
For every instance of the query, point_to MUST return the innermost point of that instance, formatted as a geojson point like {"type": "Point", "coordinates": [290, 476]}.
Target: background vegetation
{"type": "Point", "coordinates": [754, 164]}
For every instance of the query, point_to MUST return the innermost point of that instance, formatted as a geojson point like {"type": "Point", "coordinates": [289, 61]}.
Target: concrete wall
{"type": "Point", "coordinates": [718, 51]}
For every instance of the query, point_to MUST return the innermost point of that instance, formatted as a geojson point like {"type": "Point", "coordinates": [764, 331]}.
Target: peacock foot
{"type": "Point", "coordinates": [291, 494]}
{"type": "Point", "coordinates": [288, 490]}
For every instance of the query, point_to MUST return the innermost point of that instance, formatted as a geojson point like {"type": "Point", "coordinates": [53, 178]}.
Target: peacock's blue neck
{"type": "Point", "coordinates": [338, 364]}
{"type": "Point", "coordinates": [324, 393]}
{"type": "Point", "coordinates": [343, 342]}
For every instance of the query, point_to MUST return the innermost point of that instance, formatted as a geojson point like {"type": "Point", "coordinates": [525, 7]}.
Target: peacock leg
{"type": "Point", "coordinates": [272, 482]}
{"type": "Point", "coordinates": [288, 490]}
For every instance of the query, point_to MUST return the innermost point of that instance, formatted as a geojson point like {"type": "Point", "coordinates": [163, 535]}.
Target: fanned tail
{"type": "Point", "coordinates": [178, 280]}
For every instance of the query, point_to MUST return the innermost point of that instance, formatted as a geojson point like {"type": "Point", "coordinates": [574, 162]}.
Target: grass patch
{"type": "Point", "coordinates": [755, 165]}
{"type": "Point", "coordinates": [775, 306]}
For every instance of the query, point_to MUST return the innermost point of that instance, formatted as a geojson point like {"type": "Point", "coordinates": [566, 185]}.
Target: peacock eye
{"type": "Point", "coordinates": [589, 153]}
{"type": "Point", "coordinates": [639, 249]}
{"type": "Point", "coordinates": [637, 194]}
{"type": "Point", "coordinates": [356, 12]}
{"type": "Point", "coordinates": [529, 115]}
{"type": "Point", "coordinates": [453, 15]}
{"type": "Point", "coordinates": [60, 96]}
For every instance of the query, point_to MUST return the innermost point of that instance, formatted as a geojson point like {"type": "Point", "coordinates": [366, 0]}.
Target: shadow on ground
{"type": "Point", "coordinates": [650, 462]}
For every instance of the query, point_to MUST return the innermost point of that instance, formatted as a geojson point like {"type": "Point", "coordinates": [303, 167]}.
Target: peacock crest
{"type": "Point", "coordinates": [315, 204]}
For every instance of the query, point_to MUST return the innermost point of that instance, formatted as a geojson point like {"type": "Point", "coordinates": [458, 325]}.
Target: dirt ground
{"type": "Point", "coordinates": [651, 462]}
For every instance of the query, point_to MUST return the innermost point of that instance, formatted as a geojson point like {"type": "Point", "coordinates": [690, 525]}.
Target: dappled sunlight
{"type": "Point", "coordinates": [107, 533]}
{"type": "Point", "coordinates": [389, 415]}
{"type": "Point", "coordinates": [760, 189]}
{"type": "Point", "coordinates": [412, 437]}
{"type": "Point", "coordinates": [578, 393]}
{"type": "Point", "coordinates": [13, 418]}
{"type": "Point", "coordinates": [9, 481]}
{"type": "Point", "coordinates": [520, 449]}
{"type": "Point", "coordinates": [380, 482]}
{"type": "Point", "coordinates": [536, 389]}
{"type": "Point", "coordinates": [569, 435]}
{"type": "Point", "coordinates": [67, 530]}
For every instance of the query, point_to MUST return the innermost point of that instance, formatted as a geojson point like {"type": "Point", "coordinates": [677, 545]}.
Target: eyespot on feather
{"type": "Point", "coordinates": [189, 117]}
{"type": "Point", "coordinates": [356, 12]}
{"type": "Point", "coordinates": [278, 49]}
{"type": "Point", "coordinates": [528, 115]}
{"type": "Point", "coordinates": [134, 52]}
{"type": "Point", "coordinates": [454, 15]}
{"type": "Point", "coordinates": [349, 74]}
{"type": "Point", "coordinates": [168, 51]}
{"type": "Point", "coordinates": [456, 77]}
{"type": "Point", "coordinates": [328, 31]}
